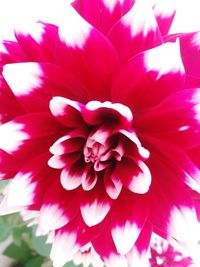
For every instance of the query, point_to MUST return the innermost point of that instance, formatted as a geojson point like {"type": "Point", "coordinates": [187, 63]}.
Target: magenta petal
{"type": "Point", "coordinates": [37, 40]}
{"type": "Point", "coordinates": [66, 111]}
{"type": "Point", "coordinates": [149, 77]}
{"type": "Point", "coordinates": [138, 31]}
{"type": "Point", "coordinates": [164, 11]}
{"type": "Point", "coordinates": [95, 205]}
{"type": "Point", "coordinates": [113, 185]}
{"type": "Point", "coordinates": [128, 223]}
{"type": "Point", "coordinates": [87, 53]}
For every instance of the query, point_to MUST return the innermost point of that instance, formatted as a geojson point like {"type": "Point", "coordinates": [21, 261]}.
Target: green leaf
{"type": "Point", "coordinates": [71, 264]}
{"type": "Point", "coordinates": [21, 254]}
{"type": "Point", "coordinates": [35, 262]}
{"type": "Point", "coordinates": [5, 229]}
{"type": "Point", "coordinates": [40, 246]}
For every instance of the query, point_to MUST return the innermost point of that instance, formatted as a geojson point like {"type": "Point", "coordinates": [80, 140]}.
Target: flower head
{"type": "Point", "coordinates": [100, 129]}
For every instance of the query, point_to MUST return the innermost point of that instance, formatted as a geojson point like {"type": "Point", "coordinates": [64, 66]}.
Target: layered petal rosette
{"type": "Point", "coordinates": [100, 129]}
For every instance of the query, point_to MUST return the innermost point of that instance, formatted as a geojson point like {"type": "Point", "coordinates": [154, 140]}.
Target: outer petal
{"type": "Point", "coordinates": [173, 210]}
{"type": "Point", "coordinates": [184, 129]}
{"type": "Point", "coordinates": [128, 217]}
{"type": "Point", "coordinates": [86, 52]}
{"type": "Point", "coordinates": [58, 208]}
{"type": "Point", "coordinates": [111, 11]}
{"type": "Point", "coordinates": [164, 11]}
{"type": "Point", "coordinates": [11, 52]}
{"type": "Point", "coordinates": [37, 40]}
{"type": "Point", "coordinates": [29, 134]}
{"type": "Point", "coordinates": [95, 205]}
{"type": "Point", "coordinates": [149, 77]}
{"type": "Point", "coordinates": [138, 31]}
{"type": "Point", "coordinates": [34, 84]}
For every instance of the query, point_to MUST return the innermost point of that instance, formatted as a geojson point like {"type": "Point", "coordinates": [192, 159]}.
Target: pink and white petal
{"type": "Point", "coordinates": [190, 51]}
{"type": "Point", "coordinates": [113, 185]}
{"type": "Point", "coordinates": [96, 112]}
{"type": "Point", "coordinates": [182, 161]}
{"type": "Point", "coordinates": [149, 77]}
{"type": "Point", "coordinates": [87, 53]}
{"type": "Point", "coordinates": [59, 207]}
{"type": "Point", "coordinates": [105, 247]}
{"type": "Point", "coordinates": [95, 205]}
{"type": "Point", "coordinates": [67, 112]}
{"type": "Point", "coordinates": [164, 11]}
{"type": "Point", "coordinates": [71, 175]}
{"type": "Point", "coordinates": [128, 223]}
{"type": "Point", "coordinates": [134, 175]}
{"type": "Point", "coordinates": [89, 178]}
{"type": "Point", "coordinates": [29, 134]}
{"type": "Point", "coordinates": [138, 31]}
{"type": "Point", "coordinates": [61, 161]}
{"type": "Point", "coordinates": [183, 130]}
{"type": "Point", "coordinates": [173, 210]}
{"type": "Point", "coordinates": [29, 180]}
{"type": "Point", "coordinates": [65, 246]}
{"type": "Point", "coordinates": [111, 12]}
{"type": "Point", "coordinates": [137, 256]}
{"type": "Point", "coordinates": [11, 52]}
{"type": "Point", "coordinates": [37, 40]}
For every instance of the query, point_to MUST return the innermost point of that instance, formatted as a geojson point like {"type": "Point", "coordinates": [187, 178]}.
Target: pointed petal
{"type": "Point", "coordinates": [86, 52]}
{"type": "Point", "coordinates": [149, 77]}
{"type": "Point", "coordinates": [37, 40]}
{"type": "Point", "coordinates": [24, 135]}
{"type": "Point", "coordinates": [11, 52]}
{"type": "Point", "coordinates": [164, 11]}
{"type": "Point", "coordinates": [111, 12]}
{"type": "Point", "coordinates": [95, 205]}
{"type": "Point", "coordinates": [127, 225]}
{"type": "Point", "coordinates": [138, 31]}
{"type": "Point", "coordinates": [183, 130]}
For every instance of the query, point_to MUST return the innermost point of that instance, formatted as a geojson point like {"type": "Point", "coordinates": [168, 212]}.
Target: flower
{"type": "Point", "coordinates": [100, 127]}
{"type": "Point", "coordinates": [163, 254]}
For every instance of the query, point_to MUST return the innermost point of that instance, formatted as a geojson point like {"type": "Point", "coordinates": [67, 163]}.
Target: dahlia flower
{"type": "Point", "coordinates": [100, 129]}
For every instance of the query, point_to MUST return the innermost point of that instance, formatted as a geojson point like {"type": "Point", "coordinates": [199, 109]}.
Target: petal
{"type": "Point", "coordinates": [111, 11]}
{"type": "Point", "coordinates": [164, 11]}
{"type": "Point", "coordinates": [113, 184]}
{"type": "Point", "coordinates": [66, 111]}
{"type": "Point", "coordinates": [138, 31]}
{"type": "Point", "coordinates": [29, 180]}
{"type": "Point", "coordinates": [37, 40]}
{"type": "Point", "coordinates": [96, 112]}
{"type": "Point", "coordinates": [134, 175]}
{"type": "Point", "coordinates": [173, 210]}
{"type": "Point", "coordinates": [34, 84]}
{"type": "Point", "coordinates": [89, 178]}
{"type": "Point", "coordinates": [183, 130]}
{"type": "Point", "coordinates": [58, 208]}
{"type": "Point", "coordinates": [87, 53]}
{"type": "Point", "coordinates": [95, 205]}
{"type": "Point", "coordinates": [128, 223]}
{"type": "Point", "coordinates": [29, 134]}
{"type": "Point", "coordinates": [71, 176]}
{"type": "Point", "coordinates": [149, 77]}
{"type": "Point", "coordinates": [11, 52]}
{"type": "Point", "coordinates": [138, 254]}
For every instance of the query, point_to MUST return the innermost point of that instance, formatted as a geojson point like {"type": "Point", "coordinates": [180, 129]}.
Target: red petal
{"type": "Point", "coordinates": [113, 185]}
{"type": "Point", "coordinates": [87, 53]}
{"type": "Point", "coordinates": [11, 52]}
{"type": "Point", "coordinates": [111, 11]}
{"type": "Point", "coordinates": [149, 77]}
{"type": "Point", "coordinates": [183, 130]}
{"type": "Point", "coordinates": [29, 134]}
{"type": "Point", "coordinates": [128, 223]}
{"type": "Point", "coordinates": [95, 205]}
{"type": "Point", "coordinates": [37, 40]}
{"type": "Point", "coordinates": [138, 31]}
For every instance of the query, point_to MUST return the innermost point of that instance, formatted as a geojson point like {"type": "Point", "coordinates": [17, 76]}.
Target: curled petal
{"type": "Point", "coordinates": [113, 185]}
{"type": "Point", "coordinates": [66, 111]}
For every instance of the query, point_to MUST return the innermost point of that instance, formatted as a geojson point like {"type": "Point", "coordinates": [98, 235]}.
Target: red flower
{"type": "Point", "coordinates": [101, 129]}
